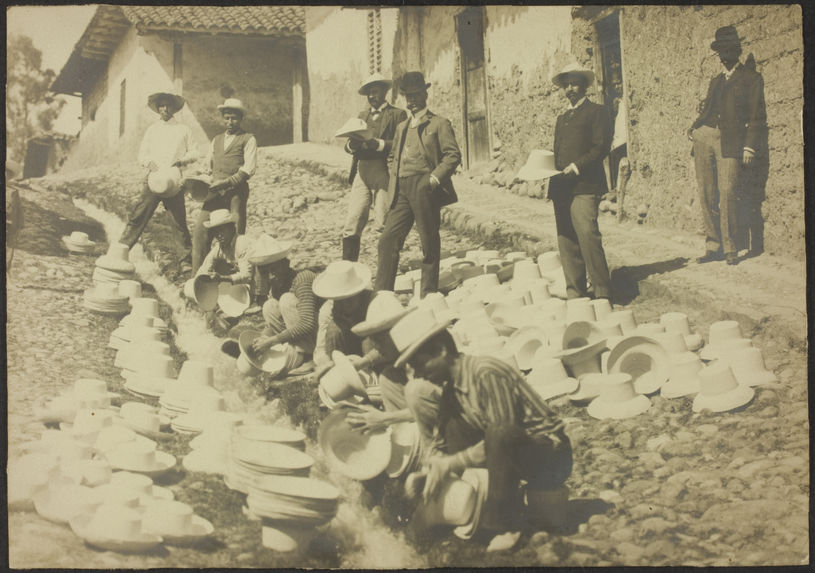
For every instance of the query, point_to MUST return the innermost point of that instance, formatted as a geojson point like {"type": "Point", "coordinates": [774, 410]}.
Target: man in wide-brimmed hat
{"type": "Point", "coordinates": [369, 168]}
{"type": "Point", "coordinates": [423, 158]}
{"type": "Point", "coordinates": [582, 141]}
{"type": "Point", "coordinates": [727, 135]}
{"type": "Point", "coordinates": [232, 160]}
{"type": "Point", "coordinates": [488, 417]}
{"type": "Point", "coordinates": [166, 144]}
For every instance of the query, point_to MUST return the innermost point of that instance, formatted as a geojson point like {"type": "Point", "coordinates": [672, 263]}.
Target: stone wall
{"type": "Point", "coordinates": [668, 64]}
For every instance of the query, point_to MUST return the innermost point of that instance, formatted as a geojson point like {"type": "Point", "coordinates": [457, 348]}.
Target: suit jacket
{"type": "Point", "coordinates": [373, 165]}
{"type": "Point", "coordinates": [742, 112]}
{"type": "Point", "coordinates": [582, 137]}
{"type": "Point", "coordinates": [439, 148]}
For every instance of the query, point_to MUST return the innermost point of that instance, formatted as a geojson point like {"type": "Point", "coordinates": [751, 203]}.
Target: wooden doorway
{"type": "Point", "coordinates": [470, 28]}
{"type": "Point", "coordinates": [613, 90]}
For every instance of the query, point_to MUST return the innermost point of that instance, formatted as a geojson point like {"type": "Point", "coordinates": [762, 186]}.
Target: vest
{"type": "Point", "coordinates": [226, 162]}
{"type": "Point", "coordinates": [413, 160]}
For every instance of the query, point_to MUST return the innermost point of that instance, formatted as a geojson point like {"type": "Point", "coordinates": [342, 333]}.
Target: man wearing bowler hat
{"type": "Point", "coordinates": [166, 144]}
{"type": "Point", "coordinates": [369, 168]}
{"type": "Point", "coordinates": [726, 137]}
{"type": "Point", "coordinates": [232, 160]}
{"type": "Point", "coordinates": [422, 160]}
{"type": "Point", "coordinates": [582, 140]}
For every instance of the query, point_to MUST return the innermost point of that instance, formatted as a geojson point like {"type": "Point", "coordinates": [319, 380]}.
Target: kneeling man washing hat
{"type": "Point", "coordinates": [488, 417]}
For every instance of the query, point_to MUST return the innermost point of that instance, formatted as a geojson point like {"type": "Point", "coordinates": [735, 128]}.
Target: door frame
{"type": "Point", "coordinates": [463, 82]}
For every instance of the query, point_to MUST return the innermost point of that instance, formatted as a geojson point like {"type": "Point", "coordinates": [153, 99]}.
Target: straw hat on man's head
{"type": "Point", "coordinates": [342, 279]}
{"type": "Point", "coordinates": [232, 104]}
{"type": "Point", "coordinates": [384, 311]}
{"type": "Point", "coordinates": [374, 79]}
{"type": "Point", "coordinates": [176, 102]}
{"type": "Point", "coordinates": [266, 250]}
{"type": "Point", "coordinates": [572, 70]}
{"type": "Point", "coordinates": [413, 330]}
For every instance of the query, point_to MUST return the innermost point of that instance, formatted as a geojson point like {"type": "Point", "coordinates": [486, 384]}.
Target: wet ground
{"type": "Point", "coordinates": [668, 487]}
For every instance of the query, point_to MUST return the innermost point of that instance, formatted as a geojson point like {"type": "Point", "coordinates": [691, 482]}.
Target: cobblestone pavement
{"type": "Point", "coordinates": [668, 487]}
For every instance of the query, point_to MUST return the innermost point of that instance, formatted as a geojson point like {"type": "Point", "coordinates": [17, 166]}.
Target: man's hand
{"type": "Point", "coordinates": [747, 157]}
{"type": "Point", "coordinates": [220, 186]}
{"type": "Point", "coordinates": [370, 144]}
{"type": "Point", "coordinates": [434, 182]}
{"type": "Point", "coordinates": [367, 419]}
{"type": "Point", "coordinates": [571, 170]}
{"type": "Point", "coordinates": [354, 144]}
{"type": "Point", "coordinates": [261, 343]}
{"type": "Point", "coordinates": [438, 469]}
{"type": "Point", "coordinates": [320, 372]}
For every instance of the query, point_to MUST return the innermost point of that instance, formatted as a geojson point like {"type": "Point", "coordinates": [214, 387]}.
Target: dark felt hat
{"type": "Point", "coordinates": [413, 82]}
{"type": "Point", "coordinates": [726, 37]}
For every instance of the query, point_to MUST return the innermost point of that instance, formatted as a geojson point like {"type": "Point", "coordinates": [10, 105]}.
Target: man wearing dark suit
{"type": "Point", "coordinates": [422, 160]}
{"type": "Point", "coordinates": [582, 140]}
{"type": "Point", "coordinates": [370, 163]}
{"type": "Point", "coordinates": [726, 137]}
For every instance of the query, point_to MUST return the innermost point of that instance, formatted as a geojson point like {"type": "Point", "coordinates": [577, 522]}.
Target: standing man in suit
{"type": "Point", "coordinates": [726, 137]}
{"type": "Point", "coordinates": [582, 140]}
{"type": "Point", "coordinates": [371, 164]}
{"type": "Point", "coordinates": [232, 161]}
{"type": "Point", "coordinates": [422, 160]}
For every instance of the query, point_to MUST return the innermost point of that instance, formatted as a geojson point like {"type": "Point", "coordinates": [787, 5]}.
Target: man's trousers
{"type": "Point", "coordinates": [235, 200]}
{"type": "Point", "coordinates": [148, 201]}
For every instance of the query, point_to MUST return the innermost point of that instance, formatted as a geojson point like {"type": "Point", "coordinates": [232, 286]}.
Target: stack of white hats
{"type": "Point", "coordinates": [78, 242]}
{"type": "Point", "coordinates": [251, 459]}
{"type": "Point", "coordinates": [196, 379]}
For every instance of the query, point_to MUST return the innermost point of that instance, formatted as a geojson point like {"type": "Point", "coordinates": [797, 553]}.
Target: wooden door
{"type": "Point", "coordinates": [470, 26]}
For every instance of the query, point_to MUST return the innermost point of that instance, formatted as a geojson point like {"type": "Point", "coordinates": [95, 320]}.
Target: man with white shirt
{"type": "Point", "coordinates": [232, 160]}
{"type": "Point", "coordinates": [166, 143]}
{"type": "Point", "coordinates": [726, 137]}
{"type": "Point", "coordinates": [582, 140]}
{"type": "Point", "coordinates": [369, 169]}
{"type": "Point", "coordinates": [423, 158]}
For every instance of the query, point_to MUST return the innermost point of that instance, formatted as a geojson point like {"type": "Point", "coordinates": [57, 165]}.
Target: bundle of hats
{"type": "Point", "coordinates": [196, 379]}
{"type": "Point", "coordinates": [210, 448]}
{"type": "Point", "coordinates": [85, 393]}
{"type": "Point", "coordinates": [78, 242]}
{"type": "Point", "coordinates": [105, 298]}
{"type": "Point", "coordinates": [202, 407]}
{"type": "Point", "coordinates": [151, 378]}
{"type": "Point", "coordinates": [145, 420]}
{"type": "Point", "coordinates": [114, 265]}
{"type": "Point", "coordinates": [144, 311]}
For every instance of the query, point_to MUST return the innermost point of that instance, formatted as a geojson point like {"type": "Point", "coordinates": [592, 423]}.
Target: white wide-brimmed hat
{"type": "Point", "coordinates": [272, 360]}
{"type": "Point", "coordinates": [678, 322]}
{"type": "Point", "coordinates": [201, 407]}
{"type": "Point", "coordinates": [720, 391]}
{"type": "Point", "coordinates": [145, 420]}
{"type": "Point", "coordinates": [539, 165]}
{"type": "Point", "coordinates": [233, 104]}
{"type": "Point", "coordinates": [590, 386]}
{"type": "Point", "coordinates": [413, 330]}
{"type": "Point", "coordinates": [142, 485]}
{"type": "Point", "coordinates": [233, 299]}
{"type": "Point", "coordinates": [549, 378]}
{"type": "Point", "coordinates": [203, 290]}
{"type": "Point", "coordinates": [176, 523]}
{"type": "Point", "coordinates": [220, 217]}
{"type": "Point", "coordinates": [644, 359]}
{"type": "Point", "coordinates": [375, 78]}
{"type": "Point", "coordinates": [78, 242]}
{"type": "Point", "coordinates": [720, 332]}
{"type": "Point", "coordinates": [116, 259]}
{"type": "Point", "coordinates": [61, 502]}
{"type": "Point", "coordinates": [130, 288]}
{"type": "Point", "coordinates": [454, 504]}
{"type": "Point", "coordinates": [581, 333]}
{"type": "Point", "coordinates": [524, 344]}
{"type": "Point", "coordinates": [152, 378]}
{"type": "Point", "coordinates": [405, 449]}
{"type": "Point", "coordinates": [266, 250]}
{"type": "Point", "coordinates": [384, 311]}
{"type": "Point", "coordinates": [354, 127]}
{"type": "Point", "coordinates": [573, 69]}
{"type": "Point", "coordinates": [105, 298]}
{"type": "Point", "coordinates": [165, 182]}
{"type": "Point", "coordinates": [618, 399]}
{"type": "Point", "coordinates": [141, 457]}
{"type": "Point", "coordinates": [684, 376]}
{"type": "Point", "coordinates": [672, 342]}
{"type": "Point", "coordinates": [198, 187]}
{"type": "Point", "coordinates": [479, 479]}
{"type": "Point", "coordinates": [144, 306]}
{"type": "Point", "coordinates": [583, 360]}
{"type": "Point", "coordinates": [352, 453]}
{"type": "Point", "coordinates": [196, 373]}
{"type": "Point", "coordinates": [87, 423]}
{"type": "Point", "coordinates": [625, 318]}
{"type": "Point", "coordinates": [403, 284]}
{"type": "Point", "coordinates": [342, 381]}
{"type": "Point", "coordinates": [115, 528]}
{"type": "Point", "coordinates": [749, 368]}
{"type": "Point", "coordinates": [341, 280]}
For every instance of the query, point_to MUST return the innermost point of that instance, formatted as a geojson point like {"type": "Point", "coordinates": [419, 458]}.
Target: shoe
{"type": "Point", "coordinates": [710, 256]}
{"type": "Point", "coordinates": [254, 309]}
{"type": "Point", "coordinates": [732, 259]}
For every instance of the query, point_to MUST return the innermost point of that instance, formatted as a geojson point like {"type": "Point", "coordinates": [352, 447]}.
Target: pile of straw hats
{"type": "Point", "coordinates": [114, 265]}
{"type": "Point", "coordinates": [151, 378]}
{"type": "Point", "coordinates": [105, 298]}
{"type": "Point", "coordinates": [250, 459]}
{"type": "Point", "coordinates": [78, 242]}
{"type": "Point", "coordinates": [303, 500]}
{"type": "Point", "coordinates": [195, 379]}
{"type": "Point", "coordinates": [210, 448]}
{"type": "Point", "coordinates": [202, 408]}
{"type": "Point", "coordinates": [85, 393]}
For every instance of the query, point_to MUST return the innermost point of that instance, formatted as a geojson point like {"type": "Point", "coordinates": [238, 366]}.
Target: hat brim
{"type": "Point", "coordinates": [547, 391]}
{"type": "Point", "coordinates": [680, 388]}
{"type": "Point", "coordinates": [363, 89]}
{"type": "Point", "coordinates": [603, 409]}
{"type": "Point", "coordinates": [413, 89]}
{"type": "Point", "coordinates": [222, 108]}
{"type": "Point", "coordinates": [197, 187]}
{"type": "Point", "coordinates": [651, 350]}
{"type": "Point", "coordinates": [411, 350]}
{"type": "Point", "coordinates": [323, 289]}
{"type": "Point", "coordinates": [531, 174]}
{"type": "Point", "coordinates": [231, 219]}
{"type": "Point", "coordinates": [177, 102]}
{"type": "Point", "coordinates": [717, 45]}
{"type": "Point", "coordinates": [577, 355]}
{"type": "Point", "coordinates": [735, 398]}
{"type": "Point", "coordinates": [479, 479]}
{"type": "Point", "coordinates": [369, 327]}
{"type": "Point", "coordinates": [581, 333]}
{"type": "Point", "coordinates": [588, 75]}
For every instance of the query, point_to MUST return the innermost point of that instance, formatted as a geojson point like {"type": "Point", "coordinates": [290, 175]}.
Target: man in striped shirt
{"type": "Point", "coordinates": [488, 417]}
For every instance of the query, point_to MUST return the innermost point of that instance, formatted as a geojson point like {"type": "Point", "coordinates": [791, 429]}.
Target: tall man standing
{"type": "Point", "coordinates": [726, 137]}
{"type": "Point", "coordinates": [232, 159]}
{"type": "Point", "coordinates": [370, 163]}
{"type": "Point", "coordinates": [166, 143]}
{"type": "Point", "coordinates": [582, 140]}
{"type": "Point", "coordinates": [423, 158]}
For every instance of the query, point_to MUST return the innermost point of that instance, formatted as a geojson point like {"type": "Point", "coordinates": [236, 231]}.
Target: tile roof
{"type": "Point", "coordinates": [273, 20]}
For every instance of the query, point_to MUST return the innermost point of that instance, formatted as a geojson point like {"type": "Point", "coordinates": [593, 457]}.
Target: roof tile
{"type": "Point", "coordinates": [263, 19]}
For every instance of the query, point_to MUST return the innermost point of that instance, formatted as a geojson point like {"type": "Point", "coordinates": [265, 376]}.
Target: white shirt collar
{"type": "Point", "coordinates": [728, 73]}
{"type": "Point", "coordinates": [416, 118]}
{"type": "Point", "coordinates": [380, 108]}
{"type": "Point", "coordinates": [578, 104]}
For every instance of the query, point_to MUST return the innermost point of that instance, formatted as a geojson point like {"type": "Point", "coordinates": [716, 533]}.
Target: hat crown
{"type": "Point", "coordinates": [79, 237]}
{"type": "Point", "coordinates": [748, 360]}
{"type": "Point", "coordinates": [159, 366]}
{"type": "Point", "coordinates": [726, 36]}
{"type": "Point", "coordinates": [724, 330]}
{"type": "Point", "coordinates": [412, 81]}
{"type": "Point", "coordinates": [341, 279]}
{"type": "Point", "coordinates": [375, 78]}
{"type": "Point", "coordinates": [144, 306]}
{"type": "Point", "coordinates": [717, 378]}
{"type": "Point", "coordinates": [617, 388]}
{"type": "Point", "coordinates": [232, 103]}
{"type": "Point", "coordinates": [411, 327]}
{"type": "Point", "coordinates": [118, 251]}
{"type": "Point", "coordinates": [551, 370]}
{"type": "Point", "coordinates": [196, 372]}
{"type": "Point", "coordinates": [686, 366]}
{"type": "Point", "coordinates": [675, 322]}
{"type": "Point", "coordinates": [539, 164]}
{"type": "Point", "coordinates": [673, 342]}
{"type": "Point", "coordinates": [549, 261]}
{"type": "Point", "coordinates": [526, 269]}
{"type": "Point", "coordinates": [383, 306]}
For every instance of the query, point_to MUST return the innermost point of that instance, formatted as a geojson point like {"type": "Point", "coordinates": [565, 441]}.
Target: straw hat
{"type": "Point", "coordinates": [549, 378]}
{"type": "Point", "coordinates": [176, 101]}
{"type": "Point", "coordinates": [405, 448]}
{"type": "Point", "coordinates": [479, 479]}
{"type": "Point", "coordinates": [144, 419]}
{"type": "Point", "coordinates": [196, 373]}
{"type": "Point", "coordinates": [198, 187]}
{"type": "Point", "coordinates": [142, 485]}
{"type": "Point", "coordinates": [403, 284]}
{"type": "Point", "coordinates": [573, 69]}
{"type": "Point", "coordinates": [342, 381]}
{"type": "Point", "coordinates": [115, 528]}
{"type": "Point", "coordinates": [539, 165]}
{"type": "Point", "coordinates": [644, 359]}
{"type": "Point", "coordinates": [583, 360]}
{"type": "Point", "coordinates": [618, 399]}
{"type": "Point", "coordinates": [266, 250]}
{"type": "Point", "coordinates": [176, 522]}
{"type": "Point", "coordinates": [144, 306]}
{"type": "Point", "coordinates": [220, 217]}
{"type": "Point", "coordinates": [375, 78]}
{"type": "Point", "coordinates": [684, 376]}
{"type": "Point", "coordinates": [625, 318]}
{"type": "Point", "coordinates": [413, 330]}
{"type": "Point", "coordinates": [355, 128]}
{"type": "Point", "coordinates": [204, 290]}
{"type": "Point", "coordinates": [78, 242]}
{"type": "Point", "coordinates": [61, 502]}
{"type": "Point", "coordinates": [678, 322]}
{"type": "Point", "coordinates": [233, 299]}
{"type": "Point", "coordinates": [151, 378]}
{"type": "Point", "coordinates": [116, 259]}
{"type": "Point", "coordinates": [87, 423]}
{"type": "Point", "coordinates": [29, 475]}
{"type": "Point", "coordinates": [581, 333]}
{"type": "Point", "coordinates": [524, 343]}
{"type": "Point", "coordinates": [672, 342]}
{"type": "Point", "coordinates": [201, 407]}
{"type": "Point", "coordinates": [130, 288]}
{"type": "Point", "coordinates": [266, 433]}
{"type": "Point", "coordinates": [749, 368]}
{"type": "Point", "coordinates": [165, 182]}
{"type": "Point", "coordinates": [232, 104]}
{"type": "Point", "coordinates": [549, 263]}
{"type": "Point", "coordinates": [454, 504]}
{"type": "Point", "coordinates": [141, 457]}
{"type": "Point", "coordinates": [602, 308]}
{"type": "Point", "coordinates": [721, 333]}
{"type": "Point", "coordinates": [590, 386]}
{"type": "Point", "coordinates": [720, 391]}
{"type": "Point", "coordinates": [341, 280]}
{"type": "Point", "coordinates": [384, 311]}
{"type": "Point", "coordinates": [272, 360]}
{"type": "Point", "coordinates": [352, 453]}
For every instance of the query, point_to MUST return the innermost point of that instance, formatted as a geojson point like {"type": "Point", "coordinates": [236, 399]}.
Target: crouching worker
{"type": "Point", "coordinates": [290, 309]}
{"type": "Point", "coordinates": [488, 417]}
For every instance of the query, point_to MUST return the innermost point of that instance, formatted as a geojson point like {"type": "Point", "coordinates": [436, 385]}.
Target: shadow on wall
{"type": "Point", "coordinates": [625, 280]}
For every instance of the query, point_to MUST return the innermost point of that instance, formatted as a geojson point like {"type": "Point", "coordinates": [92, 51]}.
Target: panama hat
{"type": "Point", "coordinates": [152, 378]}
{"type": "Point", "coordinates": [165, 182]}
{"type": "Point", "coordinates": [618, 399]}
{"type": "Point", "coordinates": [144, 306]}
{"type": "Point", "coordinates": [720, 333]}
{"type": "Point", "coordinates": [342, 381]}
{"type": "Point", "coordinates": [672, 342]}
{"type": "Point", "coordinates": [78, 242]}
{"type": "Point", "coordinates": [233, 299]}
{"type": "Point", "coordinates": [582, 360]}
{"type": "Point", "coordinates": [203, 290]}
{"type": "Point", "coordinates": [144, 419]}
{"type": "Point", "coordinates": [176, 101]}
{"type": "Point", "coordinates": [61, 502]}
{"type": "Point", "coordinates": [384, 311]}
{"type": "Point", "coordinates": [403, 284]}
{"type": "Point", "coordinates": [524, 343]}
{"type": "Point", "coordinates": [196, 373]}
{"type": "Point", "coordinates": [201, 407]}
{"type": "Point", "coordinates": [625, 318]}
{"type": "Point", "coordinates": [549, 378]}
{"type": "Point", "coordinates": [341, 280]}
{"type": "Point", "coordinates": [479, 479]}
{"type": "Point", "coordinates": [413, 330]}
{"type": "Point", "coordinates": [683, 379]}
{"type": "Point", "coordinates": [116, 259]}
{"type": "Point", "coordinates": [87, 423]}
{"type": "Point", "coordinates": [454, 504]}
{"type": "Point", "coordinates": [220, 217]}
{"type": "Point", "coordinates": [141, 457]}
{"type": "Point", "coordinates": [589, 387]}
{"type": "Point", "coordinates": [198, 187]}
{"type": "Point", "coordinates": [355, 128]}
{"type": "Point", "coordinates": [266, 250]}
{"type": "Point", "coordinates": [269, 434]}
{"type": "Point", "coordinates": [412, 82]}
{"type": "Point", "coordinates": [720, 391]}
{"type": "Point", "coordinates": [405, 440]}
{"type": "Point", "coordinates": [272, 360]}
{"type": "Point", "coordinates": [725, 37]}
{"type": "Point", "coordinates": [375, 78]}
{"type": "Point", "coordinates": [549, 264]}
{"type": "Point", "coordinates": [602, 308]}
{"type": "Point", "coordinates": [232, 104]}
{"type": "Point", "coordinates": [176, 523]}
{"type": "Point", "coordinates": [142, 485]}
{"type": "Point", "coordinates": [131, 289]}
{"type": "Point", "coordinates": [114, 528]}
{"type": "Point", "coordinates": [539, 165]}
{"type": "Point", "coordinates": [352, 453]}
{"type": "Point", "coordinates": [28, 475]}
{"type": "Point", "coordinates": [573, 69]}
{"type": "Point", "coordinates": [749, 368]}
{"type": "Point", "coordinates": [678, 322]}
{"type": "Point", "coordinates": [581, 333]}
{"type": "Point", "coordinates": [644, 359]}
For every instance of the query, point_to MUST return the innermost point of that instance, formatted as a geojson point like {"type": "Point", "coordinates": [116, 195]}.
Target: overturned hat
{"type": "Point", "coordinates": [352, 453]}
{"type": "Point", "coordinates": [220, 217]}
{"type": "Point", "coordinates": [549, 378]}
{"type": "Point", "coordinates": [573, 69]}
{"type": "Point", "coordinates": [232, 104]}
{"type": "Point", "coordinates": [233, 299]}
{"type": "Point", "coordinates": [644, 359]}
{"type": "Point", "coordinates": [272, 360]}
{"type": "Point", "coordinates": [266, 250]}
{"type": "Point", "coordinates": [373, 79]}
{"type": "Point", "coordinates": [78, 242]}
{"type": "Point", "coordinates": [198, 187]}
{"type": "Point", "coordinates": [165, 182]}
{"type": "Point", "coordinates": [720, 391]}
{"type": "Point", "coordinates": [581, 333]}
{"type": "Point", "coordinates": [583, 360]}
{"type": "Point", "coordinates": [618, 399]}
{"type": "Point", "coordinates": [342, 381]}
{"type": "Point", "coordinates": [176, 102]}
{"type": "Point", "coordinates": [342, 279]}
{"type": "Point", "coordinates": [684, 376]}
{"type": "Point", "coordinates": [539, 165]}
{"type": "Point", "coordinates": [678, 322]}
{"type": "Point", "coordinates": [354, 127]}
{"type": "Point", "coordinates": [203, 290]}
{"type": "Point", "coordinates": [384, 311]}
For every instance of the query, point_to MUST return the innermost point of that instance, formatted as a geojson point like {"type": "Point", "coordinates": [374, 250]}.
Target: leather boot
{"type": "Point", "coordinates": [350, 248]}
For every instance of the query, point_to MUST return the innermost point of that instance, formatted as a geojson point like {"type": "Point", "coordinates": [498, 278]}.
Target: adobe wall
{"type": "Point", "coordinates": [668, 64]}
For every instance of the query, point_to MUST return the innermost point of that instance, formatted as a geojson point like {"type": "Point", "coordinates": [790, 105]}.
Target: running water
{"type": "Point", "coordinates": [364, 539]}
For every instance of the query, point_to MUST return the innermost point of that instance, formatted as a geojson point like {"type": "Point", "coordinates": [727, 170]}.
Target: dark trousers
{"type": "Point", "coordinates": [342, 339]}
{"type": "Point", "coordinates": [581, 244]}
{"type": "Point", "coordinates": [235, 200]}
{"type": "Point", "coordinates": [148, 201]}
{"type": "Point", "coordinates": [415, 201]}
